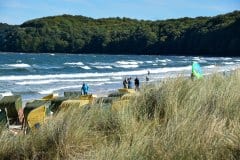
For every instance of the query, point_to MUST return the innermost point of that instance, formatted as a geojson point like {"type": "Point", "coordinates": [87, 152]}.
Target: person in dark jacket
{"type": "Point", "coordinates": [125, 83]}
{"type": "Point", "coordinates": [136, 82]}
{"type": "Point", "coordinates": [130, 85]}
{"type": "Point", "coordinates": [84, 89]}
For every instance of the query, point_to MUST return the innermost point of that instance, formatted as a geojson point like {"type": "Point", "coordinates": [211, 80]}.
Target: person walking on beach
{"type": "Point", "coordinates": [84, 89]}
{"type": "Point", "coordinates": [130, 83]}
{"type": "Point", "coordinates": [136, 82]}
{"type": "Point", "coordinates": [148, 72]}
{"type": "Point", "coordinates": [125, 83]}
{"type": "Point", "coordinates": [147, 78]}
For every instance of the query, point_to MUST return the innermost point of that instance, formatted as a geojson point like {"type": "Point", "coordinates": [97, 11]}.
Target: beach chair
{"type": "Point", "coordinates": [36, 117]}
{"type": "Point", "coordinates": [3, 118]}
{"type": "Point", "coordinates": [125, 90]}
{"type": "Point", "coordinates": [12, 104]}
{"type": "Point", "coordinates": [31, 111]}
{"type": "Point", "coordinates": [74, 103]}
{"type": "Point", "coordinates": [50, 96]}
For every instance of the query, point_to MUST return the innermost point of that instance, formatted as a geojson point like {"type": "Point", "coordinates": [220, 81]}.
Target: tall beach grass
{"type": "Point", "coordinates": [173, 119]}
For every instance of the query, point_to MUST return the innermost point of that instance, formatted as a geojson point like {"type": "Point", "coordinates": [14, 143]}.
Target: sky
{"type": "Point", "coordinates": [19, 11]}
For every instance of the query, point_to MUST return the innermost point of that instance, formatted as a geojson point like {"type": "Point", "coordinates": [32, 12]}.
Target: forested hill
{"type": "Point", "coordinates": [209, 36]}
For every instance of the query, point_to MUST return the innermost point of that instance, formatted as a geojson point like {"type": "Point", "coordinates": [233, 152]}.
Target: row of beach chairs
{"type": "Point", "coordinates": [35, 112]}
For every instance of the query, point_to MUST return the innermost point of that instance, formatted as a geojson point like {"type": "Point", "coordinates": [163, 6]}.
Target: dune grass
{"type": "Point", "coordinates": [174, 119]}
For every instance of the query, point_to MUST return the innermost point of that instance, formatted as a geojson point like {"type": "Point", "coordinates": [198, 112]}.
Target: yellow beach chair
{"type": "Point", "coordinates": [74, 103]}
{"type": "Point", "coordinates": [125, 90]}
{"type": "Point", "coordinates": [36, 117]}
{"type": "Point", "coordinates": [50, 96]}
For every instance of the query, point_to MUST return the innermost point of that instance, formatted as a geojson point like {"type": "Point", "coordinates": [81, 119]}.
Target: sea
{"type": "Point", "coordinates": [34, 75]}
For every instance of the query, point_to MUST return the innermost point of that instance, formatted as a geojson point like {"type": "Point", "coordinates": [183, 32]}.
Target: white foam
{"type": "Point", "coordinates": [96, 84]}
{"type": "Point", "coordinates": [127, 66]}
{"type": "Point", "coordinates": [19, 65]}
{"type": "Point", "coordinates": [226, 58]}
{"type": "Point", "coordinates": [103, 67]}
{"type": "Point", "coordinates": [196, 58]}
{"type": "Point", "coordinates": [161, 60]}
{"type": "Point", "coordinates": [116, 78]}
{"type": "Point", "coordinates": [6, 94]}
{"type": "Point", "coordinates": [85, 75]}
{"type": "Point", "coordinates": [85, 67]}
{"type": "Point", "coordinates": [61, 80]}
{"type": "Point", "coordinates": [210, 66]}
{"type": "Point", "coordinates": [228, 63]}
{"type": "Point", "coordinates": [149, 62]}
{"type": "Point", "coordinates": [74, 63]}
{"type": "Point", "coordinates": [129, 62]}
{"type": "Point", "coordinates": [57, 89]}
{"type": "Point", "coordinates": [52, 54]}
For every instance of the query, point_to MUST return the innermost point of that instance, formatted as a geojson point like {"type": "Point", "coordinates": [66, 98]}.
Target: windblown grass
{"type": "Point", "coordinates": [174, 119]}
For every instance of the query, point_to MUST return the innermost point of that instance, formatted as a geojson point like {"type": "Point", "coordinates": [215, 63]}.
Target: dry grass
{"type": "Point", "coordinates": [174, 119]}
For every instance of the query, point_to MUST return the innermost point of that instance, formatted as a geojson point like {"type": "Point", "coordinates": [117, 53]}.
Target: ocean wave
{"type": "Point", "coordinates": [228, 63]}
{"type": "Point", "coordinates": [85, 75]}
{"type": "Point", "coordinates": [116, 78]}
{"type": "Point", "coordinates": [210, 66]}
{"type": "Point", "coordinates": [85, 67]}
{"type": "Point", "coordinates": [127, 66]}
{"type": "Point", "coordinates": [103, 67]}
{"type": "Point", "coordinates": [226, 58]}
{"type": "Point", "coordinates": [51, 90]}
{"type": "Point", "coordinates": [46, 67]}
{"type": "Point", "coordinates": [74, 63]}
{"type": "Point", "coordinates": [162, 60]}
{"type": "Point", "coordinates": [196, 59]}
{"type": "Point", "coordinates": [129, 62]}
{"type": "Point", "coordinates": [18, 65]}
{"type": "Point", "coordinates": [61, 80]}
{"type": "Point", "coordinates": [6, 94]}
{"type": "Point", "coordinates": [149, 62]}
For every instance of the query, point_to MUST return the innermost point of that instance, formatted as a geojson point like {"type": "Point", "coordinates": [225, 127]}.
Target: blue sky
{"type": "Point", "coordinates": [19, 11]}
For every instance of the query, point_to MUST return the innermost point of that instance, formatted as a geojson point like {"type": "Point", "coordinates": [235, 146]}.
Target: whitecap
{"type": "Point", "coordinates": [74, 63]}
{"type": "Point", "coordinates": [129, 62]}
{"type": "Point", "coordinates": [116, 78]}
{"type": "Point", "coordinates": [92, 75]}
{"type": "Point", "coordinates": [103, 67]}
{"type": "Point", "coordinates": [61, 80]}
{"type": "Point", "coordinates": [210, 66]}
{"type": "Point", "coordinates": [127, 66]}
{"type": "Point", "coordinates": [85, 67]}
{"type": "Point", "coordinates": [196, 58]}
{"type": "Point", "coordinates": [149, 62]}
{"type": "Point", "coordinates": [228, 63]}
{"type": "Point", "coordinates": [163, 60]}
{"type": "Point", "coordinates": [226, 58]}
{"type": "Point", "coordinates": [59, 88]}
{"type": "Point", "coordinates": [19, 65]}
{"type": "Point", "coordinates": [6, 94]}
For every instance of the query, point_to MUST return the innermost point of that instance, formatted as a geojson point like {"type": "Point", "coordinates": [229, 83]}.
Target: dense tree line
{"type": "Point", "coordinates": [212, 36]}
